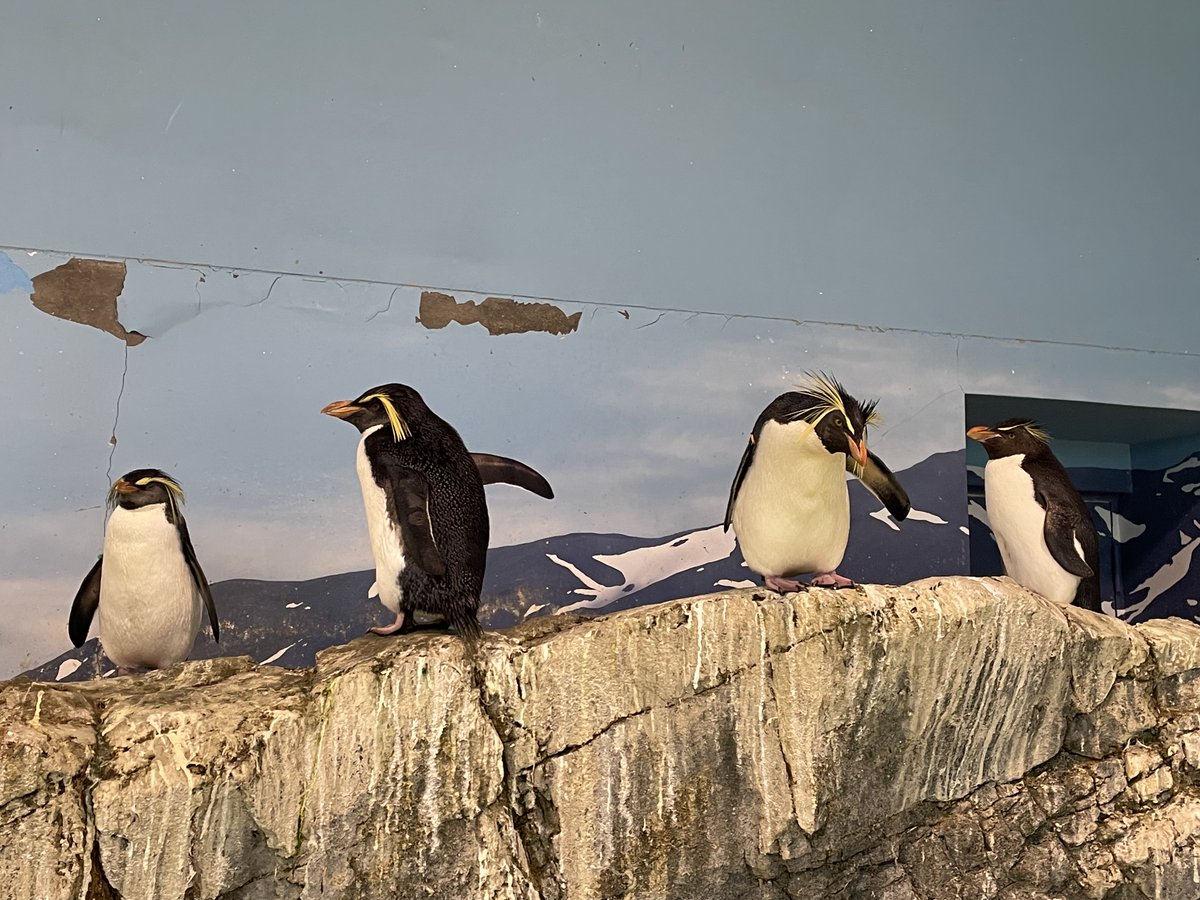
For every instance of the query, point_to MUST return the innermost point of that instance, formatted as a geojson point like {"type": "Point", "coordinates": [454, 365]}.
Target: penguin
{"type": "Point", "coordinates": [147, 584]}
{"type": "Point", "coordinates": [1041, 524]}
{"type": "Point", "coordinates": [789, 505]}
{"type": "Point", "coordinates": [426, 512]}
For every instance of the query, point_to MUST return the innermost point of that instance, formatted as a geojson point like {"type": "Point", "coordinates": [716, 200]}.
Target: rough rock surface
{"type": "Point", "coordinates": [950, 738]}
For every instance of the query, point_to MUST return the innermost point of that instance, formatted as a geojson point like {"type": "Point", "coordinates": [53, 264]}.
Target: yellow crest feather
{"type": "Point", "coordinates": [829, 397]}
{"type": "Point", "coordinates": [175, 495]}
{"type": "Point", "coordinates": [400, 429]}
{"type": "Point", "coordinates": [1033, 428]}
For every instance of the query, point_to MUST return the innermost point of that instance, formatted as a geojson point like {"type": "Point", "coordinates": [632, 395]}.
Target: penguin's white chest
{"type": "Point", "coordinates": [149, 606]}
{"type": "Point", "coordinates": [1018, 523]}
{"type": "Point", "coordinates": [791, 514]}
{"type": "Point", "coordinates": [387, 545]}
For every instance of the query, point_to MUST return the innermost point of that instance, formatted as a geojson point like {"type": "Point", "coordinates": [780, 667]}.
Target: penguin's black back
{"type": "Point", "coordinates": [458, 520]}
{"type": "Point", "coordinates": [1057, 494]}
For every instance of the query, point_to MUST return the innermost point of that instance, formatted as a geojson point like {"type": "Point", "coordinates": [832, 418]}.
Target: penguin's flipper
{"type": "Point", "coordinates": [1068, 531]}
{"type": "Point", "coordinates": [1060, 531]}
{"type": "Point", "coordinates": [880, 481]}
{"type": "Point", "coordinates": [193, 564]}
{"type": "Point", "coordinates": [743, 467]}
{"type": "Point", "coordinates": [84, 607]}
{"type": "Point", "coordinates": [502, 470]}
{"type": "Point", "coordinates": [408, 504]}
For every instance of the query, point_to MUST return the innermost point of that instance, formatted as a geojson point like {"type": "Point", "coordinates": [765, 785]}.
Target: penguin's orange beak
{"type": "Point", "coordinates": [981, 433]}
{"type": "Point", "coordinates": [858, 450]}
{"type": "Point", "coordinates": [341, 409]}
{"type": "Point", "coordinates": [124, 487]}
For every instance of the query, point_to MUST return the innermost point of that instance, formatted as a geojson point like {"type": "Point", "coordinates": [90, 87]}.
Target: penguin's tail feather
{"type": "Point", "coordinates": [465, 623]}
{"type": "Point", "coordinates": [1088, 595]}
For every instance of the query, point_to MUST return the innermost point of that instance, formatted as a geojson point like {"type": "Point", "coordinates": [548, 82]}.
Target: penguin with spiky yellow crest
{"type": "Point", "coordinates": [148, 585]}
{"type": "Point", "coordinates": [426, 512]}
{"type": "Point", "coordinates": [789, 505]}
{"type": "Point", "coordinates": [1041, 524]}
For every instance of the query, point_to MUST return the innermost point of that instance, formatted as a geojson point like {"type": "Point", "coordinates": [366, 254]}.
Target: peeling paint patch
{"type": "Point", "coordinates": [12, 276]}
{"type": "Point", "coordinates": [497, 314]}
{"type": "Point", "coordinates": [85, 291]}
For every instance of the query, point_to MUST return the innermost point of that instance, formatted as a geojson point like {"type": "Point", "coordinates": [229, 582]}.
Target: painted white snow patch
{"type": "Point", "coordinates": [921, 516]}
{"type": "Point", "coordinates": [918, 514]}
{"type": "Point", "coordinates": [648, 565]}
{"type": "Point", "coordinates": [979, 511]}
{"type": "Point", "coordinates": [1165, 578]}
{"type": "Point", "coordinates": [882, 515]}
{"type": "Point", "coordinates": [537, 607]}
{"type": "Point", "coordinates": [1120, 527]}
{"type": "Point", "coordinates": [292, 605]}
{"type": "Point", "coordinates": [1189, 463]}
{"type": "Point", "coordinates": [67, 667]}
{"type": "Point", "coordinates": [725, 582]}
{"type": "Point", "coordinates": [964, 529]}
{"type": "Point", "coordinates": [276, 655]}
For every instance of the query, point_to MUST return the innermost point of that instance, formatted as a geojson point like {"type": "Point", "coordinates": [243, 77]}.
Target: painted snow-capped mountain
{"type": "Point", "coordinates": [1161, 566]}
{"type": "Point", "coordinates": [287, 623]}
{"type": "Point", "coordinates": [1153, 533]}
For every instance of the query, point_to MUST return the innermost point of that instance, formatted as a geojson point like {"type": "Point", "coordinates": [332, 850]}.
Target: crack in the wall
{"type": "Point", "coordinates": [622, 307]}
{"type": "Point", "coordinates": [542, 865]}
{"type": "Point", "coordinates": [94, 882]}
{"type": "Point", "coordinates": [267, 296]}
{"type": "Point", "coordinates": [199, 281]}
{"type": "Point", "coordinates": [112, 438]}
{"type": "Point", "coordinates": [648, 324]}
{"type": "Point", "coordinates": [386, 309]}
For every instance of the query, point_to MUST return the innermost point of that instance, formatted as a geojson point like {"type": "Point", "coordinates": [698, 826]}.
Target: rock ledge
{"type": "Point", "coordinates": [954, 737]}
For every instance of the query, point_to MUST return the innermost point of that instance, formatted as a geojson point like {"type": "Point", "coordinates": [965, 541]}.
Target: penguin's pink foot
{"type": "Point", "coordinates": [783, 585]}
{"type": "Point", "coordinates": [831, 580]}
{"type": "Point", "coordinates": [389, 629]}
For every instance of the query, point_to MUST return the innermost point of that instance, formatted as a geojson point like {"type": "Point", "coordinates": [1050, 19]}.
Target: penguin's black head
{"type": "Point", "coordinates": [395, 405]}
{"type": "Point", "coordinates": [839, 420]}
{"type": "Point", "coordinates": [145, 487]}
{"type": "Point", "coordinates": [1010, 437]}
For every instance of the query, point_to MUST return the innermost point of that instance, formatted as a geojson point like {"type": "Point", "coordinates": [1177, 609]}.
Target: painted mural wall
{"type": "Point", "coordinates": [637, 417]}
{"type": "Point", "coordinates": [598, 238]}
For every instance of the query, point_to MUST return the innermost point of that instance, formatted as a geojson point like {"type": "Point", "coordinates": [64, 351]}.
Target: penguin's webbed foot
{"type": "Point", "coordinates": [783, 585]}
{"type": "Point", "coordinates": [396, 627]}
{"type": "Point", "coordinates": [832, 580]}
